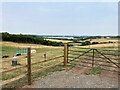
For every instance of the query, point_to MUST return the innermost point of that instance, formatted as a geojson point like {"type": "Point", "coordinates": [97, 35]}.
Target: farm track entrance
{"type": "Point", "coordinates": [106, 59]}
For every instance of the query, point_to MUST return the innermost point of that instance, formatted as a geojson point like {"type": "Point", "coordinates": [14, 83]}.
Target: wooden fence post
{"type": "Point", "coordinates": [93, 58]}
{"type": "Point", "coordinates": [29, 66]}
{"type": "Point", "coordinates": [65, 54]}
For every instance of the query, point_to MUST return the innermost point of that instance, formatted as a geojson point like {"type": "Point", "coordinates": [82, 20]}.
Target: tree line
{"type": "Point", "coordinates": [33, 39]}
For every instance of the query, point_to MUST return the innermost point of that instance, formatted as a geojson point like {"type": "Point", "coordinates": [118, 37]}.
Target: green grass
{"type": "Point", "coordinates": [94, 70]}
{"type": "Point", "coordinates": [51, 53]}
{"type": "Point", "coordinates": [47, 71]}
{"type": "Point", "coordinates": [40, 50]}
{"type": "Point", "coordinates": [7, 48]}
{"type": "Point", "coordinates": [13, 74]}
{"type": "Point", "coordinates": [35, 76]}
{"type": "Point", "coordinates": [10, 51]}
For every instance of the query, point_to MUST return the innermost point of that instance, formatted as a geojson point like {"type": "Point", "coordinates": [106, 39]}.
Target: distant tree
{"type": "Point", "coordinates": [85, 43]}
{"type": "Point", "coordinates": [28, 39]}
{"type": "Point", "coordinates": [95, 43]}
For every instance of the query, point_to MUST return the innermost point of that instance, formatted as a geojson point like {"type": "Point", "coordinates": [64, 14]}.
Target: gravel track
{"type": "Point", "coordinates": [76, 79]}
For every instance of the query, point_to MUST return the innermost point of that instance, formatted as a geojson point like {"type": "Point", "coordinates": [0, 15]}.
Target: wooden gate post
{"type": "Point", "coordinates": [93, 58]}
{"type": "Point", "coordinates": [29, 66]}
{"type": "Point", "coordinates": [65, 54]}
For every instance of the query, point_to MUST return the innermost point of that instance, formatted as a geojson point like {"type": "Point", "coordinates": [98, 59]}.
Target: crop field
{"type": "Point", "coordinates": [108, 45]}
{"type": "Point", "coordinates": [56, 40]}
{"type": "Point", "coordinates": [10, 48]}
{"type": "Point", "coordinates": [104, 40]}
{"type": "Point", "coordinates": [103, 43]}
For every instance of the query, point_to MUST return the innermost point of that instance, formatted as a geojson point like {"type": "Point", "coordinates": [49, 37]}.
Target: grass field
{"type": "Point", "coordinates": [9, 48]}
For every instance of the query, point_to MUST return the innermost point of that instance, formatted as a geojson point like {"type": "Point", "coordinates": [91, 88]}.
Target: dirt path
{"type": "Point", "coordinates": [76, 79]}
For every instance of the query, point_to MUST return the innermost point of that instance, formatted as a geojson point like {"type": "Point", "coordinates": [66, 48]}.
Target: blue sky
{"type": "Point", "coordinates": [60, 18]}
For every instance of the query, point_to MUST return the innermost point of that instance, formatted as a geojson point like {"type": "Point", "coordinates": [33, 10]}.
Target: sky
{"type": "Point", "coordinates": [60, 18]}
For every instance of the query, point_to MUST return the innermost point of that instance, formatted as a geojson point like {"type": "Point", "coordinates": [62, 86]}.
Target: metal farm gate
{"type": "Point", "coordinates": [89, 57]}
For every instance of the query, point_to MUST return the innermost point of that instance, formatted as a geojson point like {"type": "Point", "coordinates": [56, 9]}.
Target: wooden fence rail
{"type": "Point", "coordinates": [66, 56]}
{"type": "Point", "coordinates": [29, 72]}
{"type": "Point", "coordinates": [47, 60]}
{"type": "Point", "coordinates": [14, 69]}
